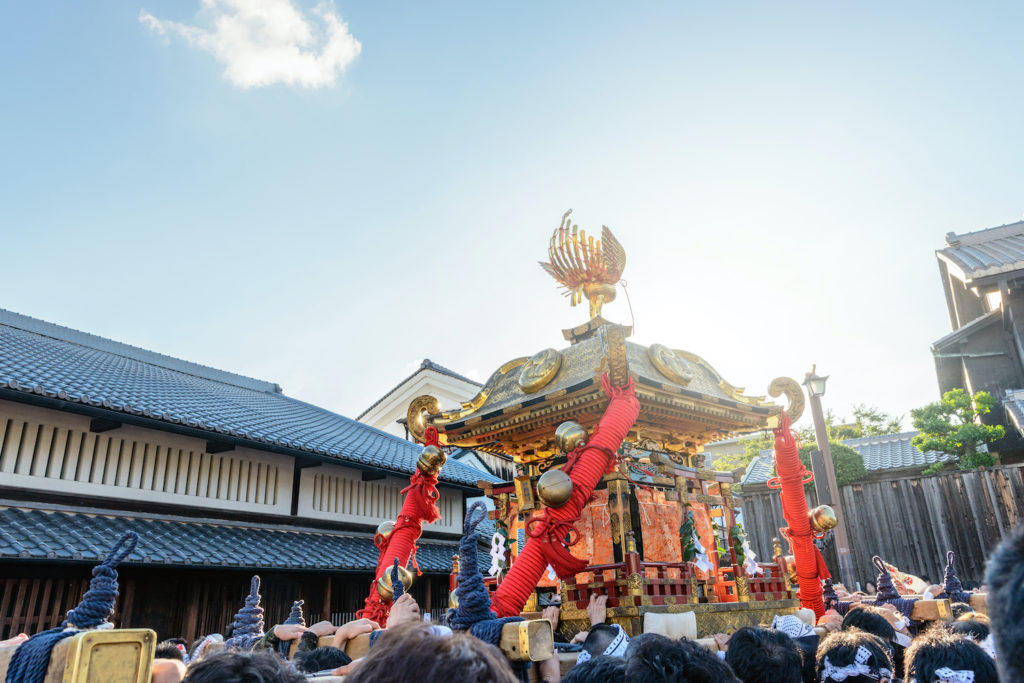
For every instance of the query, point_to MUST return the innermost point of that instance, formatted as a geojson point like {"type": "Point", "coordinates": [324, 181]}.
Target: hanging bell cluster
{"type": "Point", "coordinates": [384, 589]}
{"type": "Point", "coordinates": [431, 460]}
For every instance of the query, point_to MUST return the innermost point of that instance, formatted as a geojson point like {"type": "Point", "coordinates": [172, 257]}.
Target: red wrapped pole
{"type": "Point", "coordinates": [419, 507]}
{"type": "Point", "coordinates": [546, 534]}
{"type": "Point", "coordinates": [810, 565]}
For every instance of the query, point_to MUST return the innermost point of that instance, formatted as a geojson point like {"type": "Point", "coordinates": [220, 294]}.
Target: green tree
{"type": "Point", "coordinates": [952, 426]}
{"type": "Point", "coordinates": [848, 463]}
{"type": "Point", "coordinates": [870, 421]}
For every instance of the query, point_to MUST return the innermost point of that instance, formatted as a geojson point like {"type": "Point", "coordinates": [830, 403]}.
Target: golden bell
{"type": "Point", "coordinates": [384, 583]}
{"type": "Point", "coordinates": [790, 562]}
{"type": "Point", "coordinates": [569, 436]}
{"type": "Point", "coordinates": [453, 600]}
{"type": "Point", "coordinates": [431, 460]}
{"type": "Point", "coordinates": [823, 518]}
{"type": "Point", "coordinates": [554, 488]}
{"type": "Point", "coordinates": [385, 528]}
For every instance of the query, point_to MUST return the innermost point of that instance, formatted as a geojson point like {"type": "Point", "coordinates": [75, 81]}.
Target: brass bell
{"type": "Point", "coordinates": [823, 518]}
{"type": "Point", "coordinates": [554, 488]}
{"type": "Point", "coordinates": [453, 600]}
{"type": "Point", "coordinates": [431, 460]}
{"type": "Point", "coordinates": [569, 436]}
{"type": "Point", "coordinates": [384, 583]}
{"type": "Point", "coordinates": [385, 528]}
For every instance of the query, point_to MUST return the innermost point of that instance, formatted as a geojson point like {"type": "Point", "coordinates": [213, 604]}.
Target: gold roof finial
{"type": "Point", "coordinates": [584, 266]}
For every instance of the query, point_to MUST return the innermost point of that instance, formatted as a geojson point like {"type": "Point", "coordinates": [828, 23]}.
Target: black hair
{"type": "Point", "coordinates": [759, 655]}
{"type": "Point", "coordinates": [653, 658]}
{"type": "Point", "coordinates": [961, 608]}
{"type": "Point", "coordinates": [168, 650]}
{"type": "Point", "coordinates": [599, 638]}
{"type": "Point", "coordinates": [600, 669]}
{"type": "Point", "coordinates": [320, 659]}
{"type": "Point", "coordinates": [938, 648]}
{"type": "Point", "coordinates": [1005, 578]}
{"type": "Point", "coordinates": [808, 652]}
{"type": "Point", "coordinates": [840, 648]}
{"type": "Point", "coordinates": [869, 618]}
{"type": "Point", "coordinates": [242, 667]}
{"type": "Point", "coordinates": [969, 628]}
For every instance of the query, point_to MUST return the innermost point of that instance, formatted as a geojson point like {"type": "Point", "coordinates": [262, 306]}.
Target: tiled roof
{"type": "Point", "coordinates": [49, 360]}
{"type": "Point", "coordinates": [427, 364]}
{"type": "Point", "coordinates": [893, 452]}
{"type": "Point", "coordinates": [71, 536]}
{"type": "Point", "coordinates": [886, 452]}
{"type": "Point", "coordinates": [1014, 405]}
{"type": "Point", "coordinates": [986, 252]}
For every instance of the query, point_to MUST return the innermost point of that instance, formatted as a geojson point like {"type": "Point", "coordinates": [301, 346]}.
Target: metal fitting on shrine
{"type": "Point", "coordinates": [384, 529]}
{"type": "Point", "coordinates": [554, 488]}
{"type": "Point", "coordinates": [431, 460]}
{"type": "Point", "coordinates": [569, 436]}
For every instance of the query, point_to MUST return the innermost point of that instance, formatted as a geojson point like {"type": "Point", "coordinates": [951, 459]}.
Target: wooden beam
{"type": "Point", "coordinates": [99, 425]}
{"type": "Point", "coordinates": [371, 476]}
{"type": "Point", "coordinates": [219, 447]}
{"type": "Point", "coordinates": [521, 641]}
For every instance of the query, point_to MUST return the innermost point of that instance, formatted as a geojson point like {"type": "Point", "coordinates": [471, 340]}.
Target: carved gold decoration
{"type": "Point", "coordinates": [616, 528]}
{"type": "Point", "coordinates": [583, 266]}
{"type": "Point", "coordinates": [385, 528]}
{"type": "Point", "coordinates": [418, 409]}
{"type": "Point", "coordinates": [569, 436]}
{"type": "Point", "coordinates": [524, 493]}
{"type": "Point", "coordinates": [453, 600]}
{"type": "Point", "coordinates": [618, 363]}
{"type": "Point", "coordinates": [823, 518]}
{"type": "Point", "coordinates": [793, 392]}
{"type": "Point", "coordinates": [790, 566]}
{"type": "Point", "coordinates": [671, 364]}
{"type": "Point", "coordinates": [431, 460]}
{"type": "Point", "coordinates": [742, 589]}
{"type": "Point", "coordinates": [384, 582]}
{"type": "Point", "coordinates": [539, 370]}
{"type": "Point", "coordinates": [554, 488]}
{"type": "Point", "coordinates": [635, 584]}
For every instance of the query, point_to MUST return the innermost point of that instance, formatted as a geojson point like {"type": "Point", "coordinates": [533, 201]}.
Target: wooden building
{"type": "Point", "coordinates": [983, 279]}
{"type": "Point", "coordinates": [221, 475]}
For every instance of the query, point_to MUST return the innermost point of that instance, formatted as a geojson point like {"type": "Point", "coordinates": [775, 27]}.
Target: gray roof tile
{"type": "Point", "coordinates": [986, 252]}
{"type": "Point", "coordinates": [49, 360]}
{"type": "Point", "coordinates": [71, 536]}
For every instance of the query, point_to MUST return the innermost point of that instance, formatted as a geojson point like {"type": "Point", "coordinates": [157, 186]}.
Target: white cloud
{"type": "Point", "coordinates": [263, 42]}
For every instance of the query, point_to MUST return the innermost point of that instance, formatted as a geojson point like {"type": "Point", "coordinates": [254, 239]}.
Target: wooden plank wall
{"type": "Point", "coordinates": [910, 521]}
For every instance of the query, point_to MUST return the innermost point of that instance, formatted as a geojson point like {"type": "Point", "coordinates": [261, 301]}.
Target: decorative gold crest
{"type": "Point", "coordinates": [583, 266]}
{"type": "Point", "coordinates": [793, 392]}
{"type": "Point", "coordinates": [540, 370]}
{"type": "Point", "coordinates": [425, 404]}
{"type": "Point", "coordinates": [671, 364]}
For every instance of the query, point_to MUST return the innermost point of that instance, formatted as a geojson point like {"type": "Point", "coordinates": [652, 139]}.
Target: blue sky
{"type": "Point", "coordinates": [779, 175]}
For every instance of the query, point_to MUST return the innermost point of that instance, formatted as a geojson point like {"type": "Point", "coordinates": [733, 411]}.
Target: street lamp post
{"type": "Point", "coordinates": [815, 385]}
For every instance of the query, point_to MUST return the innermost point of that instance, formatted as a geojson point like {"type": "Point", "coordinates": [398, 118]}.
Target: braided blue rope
{"type": "Point", "coordinates": [952, 588]}
{"type": "Point", "coordinates": [30, 661]}
{"type": "Point", "coordinates": [247, 628]}
{"type": "Point", "coordinates": [887, 592]}
{"type": "Point", "coordinates": [397, 587]}
{"type": "Point", "coordinates": [294, 618]}
{"type": "Point", "coordinates": [474, 613]}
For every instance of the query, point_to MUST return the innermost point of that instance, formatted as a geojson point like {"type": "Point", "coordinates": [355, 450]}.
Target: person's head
{"type": "Point", "coordinates": [321, 659]}
{"type": "Point", "coordinates": [412, 649]}
{"type": "Point", "coordinates": [1004, 576]}
{"type": "Point", "coordinates": [168, 649]}
{"type": "Point", "coordinates": [870, 588]}
{"type": "Point", "coordinates": [606, 639]}
{"type": "Point", "coordinates": [969, 628]}
{"type": "Point", "coordinates": [600, 669]}
{"type": "Point", "coordinates": [854, 656]}
{"type": "Point", "coordinates": [167, 671]}
{"type": "Point", "coordinates": [870, 619]}
{"type": "Point", "coordinates": [233, 666]}
{"type": "Point", "coordinates": [939, 652]}
{"type": "Point", "coordinates": [760, 655]}
{"type": "Point", "coordinates": [959, 609]}
{"type": "Point", "coordinates": [653, 658]}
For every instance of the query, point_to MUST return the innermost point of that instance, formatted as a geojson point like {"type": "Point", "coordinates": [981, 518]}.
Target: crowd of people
{"type": "Point", "coordinates": [870, 643]}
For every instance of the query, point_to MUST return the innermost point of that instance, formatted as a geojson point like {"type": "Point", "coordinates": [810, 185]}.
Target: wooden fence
{"type": "Point", "coordinates": [909, 522]}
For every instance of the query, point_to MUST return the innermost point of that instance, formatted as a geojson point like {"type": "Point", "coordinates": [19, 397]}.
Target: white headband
{"type": "Point", "coordinates": [792, 626]}
{"type": "Point", "coordinates": [616, 648]}
{"type": "Point", "coordinates": [858, 668]}
{"type": "Point", "coordinates": [947, 675]}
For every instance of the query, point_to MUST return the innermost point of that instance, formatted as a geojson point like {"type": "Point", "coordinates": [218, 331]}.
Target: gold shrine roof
{"type": "Point", "coordinates": [684, 401]}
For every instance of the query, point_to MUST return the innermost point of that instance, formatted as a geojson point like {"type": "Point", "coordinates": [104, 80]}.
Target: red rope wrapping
{"type": "Point", "coordinates": [418, 508]}
{"type": "Point", "coordinates": [544, 543]}
{"type": "Point", "coordinates": [810, 565]}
